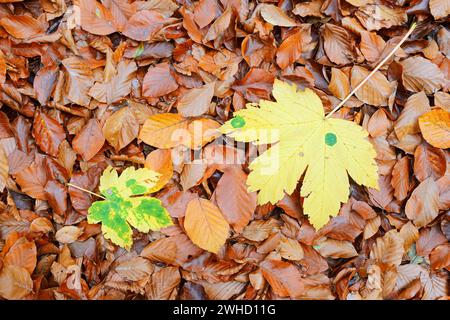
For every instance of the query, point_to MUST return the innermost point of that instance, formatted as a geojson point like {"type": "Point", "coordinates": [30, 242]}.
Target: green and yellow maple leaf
{"type": "Point", "coordinates": [302, 139]}
{"type": "Point", "coordinates": [125, 204]}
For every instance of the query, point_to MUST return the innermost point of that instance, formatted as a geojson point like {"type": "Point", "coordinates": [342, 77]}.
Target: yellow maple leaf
{"type": "Point", "coordinates": [303, 139]}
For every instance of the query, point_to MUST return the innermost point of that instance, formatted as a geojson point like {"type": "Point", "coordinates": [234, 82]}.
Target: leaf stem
{"type": "Point", "coordinates": [411, 29]}
{"type": "Point", "coordinates": [85, 190]}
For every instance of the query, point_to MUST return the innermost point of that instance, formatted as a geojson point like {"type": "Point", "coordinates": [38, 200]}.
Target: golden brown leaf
{"type": "Point", "coordinates": [205, 225]}
{"type": "Point", "coordinates": [435, 128]}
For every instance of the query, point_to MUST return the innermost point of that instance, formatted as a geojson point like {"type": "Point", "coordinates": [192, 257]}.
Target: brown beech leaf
{"type": "Point", "coordinates": [56, 195]}
{"type": "Point", "coordinates": [15, 282]}
{"type": "Point", "coordinates": [284, 278]}
{"type": "Point", "coordinates": [407, 122]}
{"type": "Point", "coordinates": [118, 87]}
{"type": "Point", "coordinates": [372, 227]}
{"type": "Point", "coordinates": [217, 31]}
{"type": "Point", "coordinates": [232, 186]}
{"type": "Point", "coordinates": [376, 91]}
{"type": "Point", "coordinates": [120, 10]}
{"type": "Point", "coordinates": [440, 256]}
{"type": "Point", "coordinates": [96, 18]}
{"type": "Point", "coordinates": [134, 269]}
{"type": "Point", "coordinates": [379, 124]}
{"type": "Point", "coordinates": [276, 16]}
{"type": "Point", "coordinates": [442, 99]}
{"type": "Point", "coordinates": [206, 11]}
{"type": "Point", "coordinates": [290, 249]}
{"type": "Point", "coordinates": [305, 9]}
{"type": "Point", "coordinates": [160, 160]}
{"type": "Point", "coordinates": [400, 179]}
{"type": "Point", "coordinates": [22, 254]}
{"type": "Point", "coordinates": [409, 234]}
{"type": "Point", "coordinates": [439, 8]}
{"type": "Point", "coordinates": [290, 49]}
{"type": "Point", "coordinates": [338, 44]}
{"type": "Point", "coordinates": [21, 26]}
{"type": "Point", "coordinates": [79, 79]}
{"type": "Point", "coordinates": [68, 234]}
{"type": "Point", "coordinates": [429, 238]}
{"type": "Point", "coordinates": [33, 178]}
{"type": "Point", "coordinates": [257, 84]}
{"type": "Point", "coordinates": [48, 133]}
{"type": "Point", "coordinates": [205, 225]}
{"type": "Point", "coordinates": [45, 82]}
{"type": "Point", "coordinates": [388, 250]}
{"type": "Point", "coordinates": [378, 16]}
{"type": "Point", "coordinates": [174, 250]}
{"type": "Point", "coordinates": [158, 81]}
{"type": "Point", "coordinates": [121, 128]}
{"type": "Point", "coordinates": [429, 162]}
{"type": "Point", "coordinates": [89, 140]}
{"type": "Point", "coordinates": [196, 101]}
{"type": "Point", "coordinates": [144, 24]}
{"type": "Point", "coordinates": [421, 74]}
{"type": "Point", "coordinates": [435, 128]}
{"type": "Point", "coordinates": [331, 248]}
{"type": "Point", "coordinates": [163, 284]}
{"type": "Point", "coordinates": [423, 205]}
{"type": "Point", "coordinates": [81, 201]}
{"type": "Point", "coordinates": [372, 46]}
{"type": "Point", "coordinates": [223, 290]}
{"type": "Point", "coordinates": [339, 84]}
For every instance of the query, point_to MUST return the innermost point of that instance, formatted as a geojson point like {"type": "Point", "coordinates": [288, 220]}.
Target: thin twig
{"type": "Point", "coordinates": [85, 190]}
{"type": "Point", "coordinates": [411, 29]}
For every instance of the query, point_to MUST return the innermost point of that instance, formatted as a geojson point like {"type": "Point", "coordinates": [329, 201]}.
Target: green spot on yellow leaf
{"type": "Point", "coordinates": [237, 122]}
{"type": "Point", "coordinates": [330, 139]}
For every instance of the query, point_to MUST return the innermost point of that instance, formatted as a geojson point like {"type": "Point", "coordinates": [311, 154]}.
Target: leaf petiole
{"type": "Point", "coordinates": [85, 190]}
{"type": "Point", "coordinates": [411, 29]}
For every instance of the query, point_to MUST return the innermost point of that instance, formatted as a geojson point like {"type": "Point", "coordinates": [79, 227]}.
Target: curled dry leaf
{"type": "Point", "coordinates": [435, 128]}
{"type": "Point", "coordinates": [276, 16]}
{"type": "Point", "coordinates": [331, 248]}
{"type": "Point", "coordinates": [205, 225]}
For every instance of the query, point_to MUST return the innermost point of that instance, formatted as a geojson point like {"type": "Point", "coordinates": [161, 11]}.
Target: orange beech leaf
{"type": "Point", "coordinates": [205, 225]}
{"type": "Point", "coordinates": [89, 140]}
{"type": "Point", "coordinates": [232, 186]}
{"type": "Point", "coordinates": [21, 26]}
{"type": "Point", "coordinates": [435, 127]}
{"type": "Point", "coordinates": [159, 81]}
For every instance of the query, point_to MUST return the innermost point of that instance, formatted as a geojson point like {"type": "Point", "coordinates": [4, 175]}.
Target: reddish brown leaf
{"type": "Point", "coordinates": [232, 186]}
{"type": "Point", "coordinates": [89, 140]}
{"type": "Point", "coordinates": [21, 26]}
{"type": "Point", "coordinates": [400, 179]}
{"type": "Point", "coordinates": [423, 205]}
{"type": "Point", "coordinates": [158, 81]}
{"type": "Point", "coordinates": [48, 133]}
{"type": "Point", "coordinates": [284, 278]}
{"type": "Point", "coordinates": [429, 162]}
